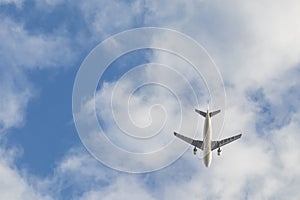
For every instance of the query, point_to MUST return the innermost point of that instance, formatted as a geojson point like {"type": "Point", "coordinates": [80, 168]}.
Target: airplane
{"type": "Point", "coordinates": [207, 145]}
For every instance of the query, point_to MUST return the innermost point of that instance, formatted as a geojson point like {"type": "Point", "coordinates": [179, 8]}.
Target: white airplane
{"type": "Point", "coordinates": [207, 145]}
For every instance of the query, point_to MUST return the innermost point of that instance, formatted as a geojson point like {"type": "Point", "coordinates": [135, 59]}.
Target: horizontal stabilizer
{"type": "Point", "coordinates": [211, 114]}
{"type": "Point", "coordinates": [201, 112]}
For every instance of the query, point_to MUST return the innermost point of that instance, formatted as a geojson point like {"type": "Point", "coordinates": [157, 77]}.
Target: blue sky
{"type": "Point", "coordinates": [255, 46]}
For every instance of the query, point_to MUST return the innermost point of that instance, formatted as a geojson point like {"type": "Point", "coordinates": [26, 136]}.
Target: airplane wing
{"type": "Point", "coordinates": [196, 143]}
{"type": "Point", "coordinates": [217, 144]}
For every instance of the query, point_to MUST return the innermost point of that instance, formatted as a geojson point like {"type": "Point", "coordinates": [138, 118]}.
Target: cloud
{"type": "Point", "coordinates": [251, 42]}
{"type": "Point", "coordinates": [17, 3]}
{"type": "Point", "coordinates": [14, 185]}
{"type": "Point", "coordinates": [14, 98]}
{"type": "Point", "coordinates": [254, 61]}
{"type": "Point", "coordinates": [256, 46]}
{"type": "Point", "coordinates": [120, 189]}
{"type": "Point", "coordinates": [18, 52]}
{"type": "Point", "coordinates": [251, 57]}
{"type": "Point", "coordinates": [21, 52]}
{"type": "Point", "coordinates": [105, 19]}
{"type": "Point", "coordinates": [80, 176]}
{"type": "Point", "coordinates": [24, 51]}
{"type": "Point", "coordinates": [134, 121]}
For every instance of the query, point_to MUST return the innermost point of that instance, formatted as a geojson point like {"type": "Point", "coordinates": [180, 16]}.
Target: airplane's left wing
{"type": "Point", "coordinates": [196, 143]}
{"type": "Point", "coordinates": [217, 144]}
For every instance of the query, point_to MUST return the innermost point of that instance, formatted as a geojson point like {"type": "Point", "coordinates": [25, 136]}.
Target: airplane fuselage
{"type": "Point", "coordinates": [207, 140]}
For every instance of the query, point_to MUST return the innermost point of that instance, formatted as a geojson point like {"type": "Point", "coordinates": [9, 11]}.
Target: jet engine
{"type": "Point", "coordinates": [219, 151]}
{"type": "Point", "coordinates": [195, 151]}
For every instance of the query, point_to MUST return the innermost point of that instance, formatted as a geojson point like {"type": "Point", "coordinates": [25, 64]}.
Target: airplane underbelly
{"type": "Point", "coordinates": [207, 142]}
{"type": "Point", "coordinates": [207, 145]}
{"type": "Point", "coordinates": [207, 158]}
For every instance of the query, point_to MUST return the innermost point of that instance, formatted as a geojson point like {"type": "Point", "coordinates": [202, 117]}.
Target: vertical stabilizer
{"type": "Point", "coordinates": [211, 114]}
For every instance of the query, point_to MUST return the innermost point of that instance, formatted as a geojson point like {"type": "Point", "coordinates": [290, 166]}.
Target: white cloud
{"type": "Point", "coordinates": [252, 42]}
{"type": "Point", "coordinates": [14, 98]}
{"type": "Point", "coordinates": [255, 47]}
{"type": "Point", "coordinates": [274, 35]}
{"type": "Point", "coordinates": [107, 18]}
{"type": "Point", "coordinates": [131, 110]}
{"type": "Point", "coordinates": [21, 49]}
{"type": "Point", "coordinates": [259, 50]}
{"type": "Point", "coordinates": [20, 52]}
{"type": "Point", "coordinates": [18, 3]}
{"type": "Point", "coordinates": [13, 185]}
{"type": "Point", "coordinates": [255, 44]}
{"type": "Point", "coordinates": [122, 188]}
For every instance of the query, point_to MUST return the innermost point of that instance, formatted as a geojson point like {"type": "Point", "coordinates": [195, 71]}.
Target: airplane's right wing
{"type": "Point", "coordinates": [196, 143]}
{"type": "Point", "coordinates": [217, 144]}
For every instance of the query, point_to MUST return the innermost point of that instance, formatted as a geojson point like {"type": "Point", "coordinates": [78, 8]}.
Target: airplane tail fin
{"type": "Point", "coordinates": [211, 114]}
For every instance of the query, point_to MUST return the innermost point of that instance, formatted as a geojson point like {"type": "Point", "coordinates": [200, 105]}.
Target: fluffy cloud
{"type": "Point", "coordinates": [20, 52]}
{"type": "Point", "coordinates": [251, 42]}
{"type": "Point", "coordinates": [256, 46]}
{"type": "Point", "coordinates": [106, 18]}
{"type": "Point", "coordinates": [18, 3]}
{"type": "Point", "coordinates": [23, 50]}
{"type": "Point", "coordinates": [254, 62]}
{"type": "Point", "coordinates": [15, 185]}
{"type": "Point", "coordinates": [14, 98]}
{"type": "Point", "coordinates": [256, 49]}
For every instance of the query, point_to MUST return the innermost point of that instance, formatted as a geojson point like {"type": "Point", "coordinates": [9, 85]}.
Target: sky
{"type": "Point", "coordinates": [146, 95]}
